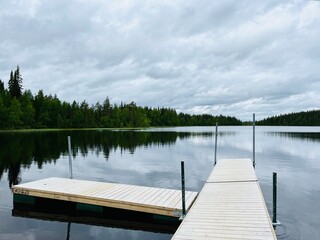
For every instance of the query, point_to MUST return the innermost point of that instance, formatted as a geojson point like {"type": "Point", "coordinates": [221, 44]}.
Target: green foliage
{"type": "Point", "coordinates": [1, 86]}
{"type": "Point", "coordinates": [28, 112]}
{"type": "Point", "coordinates": [15, 114]}
{"type": "Point", "coordinates": [23, 110]}
{"type": "Point", "coordinates": [3, 114]}
{"type": "Point", "coordinates": [308, 118]}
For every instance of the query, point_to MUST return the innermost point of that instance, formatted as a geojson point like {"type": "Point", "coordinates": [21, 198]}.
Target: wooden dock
{"type": "Point", "coordinates": [230, 206]}
{"type": "Point", "coordinates": [159, 201]}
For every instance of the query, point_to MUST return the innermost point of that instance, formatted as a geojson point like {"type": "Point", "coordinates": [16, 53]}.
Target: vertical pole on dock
{"type": "Point", "coordinates": [216, 144]}
{"type": "Point", "coordinates": [70, 160]}
{"type": "Point", "coordinates": [68, 231]}
{"type": "Point", "coordinates": [274, 203]}
{"type": "Point", "coordinates": [183, 191]}
{"type": "Point", "coordinates": [254, 140]}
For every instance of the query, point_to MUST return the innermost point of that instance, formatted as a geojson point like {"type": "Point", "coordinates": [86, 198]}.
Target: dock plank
{"type": "Point", "coordinates": [170, 193]}
{"type": "Point", "coordinates": [141, 195]}
{"type": "Point", "coordinates": [229, 206]}
{"type": "Point", "coordinates": [163, 195]}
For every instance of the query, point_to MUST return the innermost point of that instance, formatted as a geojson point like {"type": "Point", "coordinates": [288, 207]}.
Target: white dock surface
{"type": "Point", "coordinates": [137, 198]}
{"type": "Point", "coordinates": [230, 206]}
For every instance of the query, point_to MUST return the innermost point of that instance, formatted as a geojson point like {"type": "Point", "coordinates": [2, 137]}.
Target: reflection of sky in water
{"type": "Point", "coordinates": [295, 157]}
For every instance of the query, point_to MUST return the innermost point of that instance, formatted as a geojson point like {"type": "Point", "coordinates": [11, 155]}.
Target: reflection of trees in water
{"type": "Point", "coordinates": [14, 174]}
{"type": "Point", "coordinates": [20, 150]}
{"type": "Point", "coordinates": [307, 136]}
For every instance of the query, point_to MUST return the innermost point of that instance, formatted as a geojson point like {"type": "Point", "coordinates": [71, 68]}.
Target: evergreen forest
{"type": "Point", "coordinates": [22, 110]}
{"type": "Point", "coordinates": [307, 118]}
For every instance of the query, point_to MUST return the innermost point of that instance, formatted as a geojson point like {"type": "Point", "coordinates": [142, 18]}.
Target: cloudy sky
{"type": "Point", "coordinates": [218, 57]}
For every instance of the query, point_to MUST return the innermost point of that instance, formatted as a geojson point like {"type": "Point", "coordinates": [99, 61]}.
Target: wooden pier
{"type": "Point", "coordinates": [160, 201]}
{"type": "Point", "coordinates": [229, 206]}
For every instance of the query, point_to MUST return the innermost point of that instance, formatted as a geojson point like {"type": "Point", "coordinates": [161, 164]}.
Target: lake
{"type": "Point", "coordinates": [152, 157]}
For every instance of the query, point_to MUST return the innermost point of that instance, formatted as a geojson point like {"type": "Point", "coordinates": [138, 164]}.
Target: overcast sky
{"type": "Point", "coordinates": [217, 57]}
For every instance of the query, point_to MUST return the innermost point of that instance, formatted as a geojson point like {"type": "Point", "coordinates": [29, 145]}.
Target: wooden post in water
{"type": "Point", "coordinates": [70, 160]}
{"type": "Point", "coordinates": [183, 192]}
{"type": "Point", "coordinates": [216, 144]}
{"type": "Point", "coordinates": [254, 141]}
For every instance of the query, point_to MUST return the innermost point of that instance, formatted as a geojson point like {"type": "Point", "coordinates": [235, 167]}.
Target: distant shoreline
{"type": "Point", "coordinates": [129, 129]}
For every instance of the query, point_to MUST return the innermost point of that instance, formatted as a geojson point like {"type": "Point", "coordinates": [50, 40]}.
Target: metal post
{"type": "Point", "coordinates": [274, 204]}
{"type": "Point", "coordinates": [215, 144]}
{"type": "Point", "coordinates": [183, 191]}
{"type": "Point", "coordinates": [70, 160]}
{"type": "Point", "coordinates": [68, 231]}
{"type": "Point", "coordinates": [254, 141]}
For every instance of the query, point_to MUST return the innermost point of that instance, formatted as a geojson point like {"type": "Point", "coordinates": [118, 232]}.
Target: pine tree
{"type": "Point", "coordinates": [18, 82]}
{"type": "Point", "coordinates": [11, 84]}
{"type": "Point", "coordinates": [1, 86]}
{"type": "Point", "coordinates": [15, 83]}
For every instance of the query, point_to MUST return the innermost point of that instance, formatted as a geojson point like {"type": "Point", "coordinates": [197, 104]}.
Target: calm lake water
{"type": "Point", "coordinates": [152, 158]}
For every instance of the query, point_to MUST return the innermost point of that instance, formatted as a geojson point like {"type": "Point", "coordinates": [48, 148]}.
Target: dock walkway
{"type": "Point", "coordinates": [159, 201]}
{"type": "Point", "coordinates": [230, 206]}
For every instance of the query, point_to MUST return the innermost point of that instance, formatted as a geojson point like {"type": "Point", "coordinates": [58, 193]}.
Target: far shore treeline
{"type": "Point", "coordinates": [23, 110]}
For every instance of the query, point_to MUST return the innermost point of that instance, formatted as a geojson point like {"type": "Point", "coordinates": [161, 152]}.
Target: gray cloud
{"type": "Point", "coordinates": [225, 57]}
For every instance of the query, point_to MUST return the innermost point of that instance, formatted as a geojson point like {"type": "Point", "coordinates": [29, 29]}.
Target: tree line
{"type": "Point", "coordinates": [306, 118]}
{"type": "Point", "coordinates": [21, 109]}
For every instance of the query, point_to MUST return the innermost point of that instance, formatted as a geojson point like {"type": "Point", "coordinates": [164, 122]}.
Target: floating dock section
{"type": "Point", "coordinates": [230, 206]}
{"type": "Point", "coordinates": [160, 201]}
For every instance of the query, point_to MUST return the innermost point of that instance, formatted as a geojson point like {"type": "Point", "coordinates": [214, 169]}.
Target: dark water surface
{"type": "Point", "coordinates": [152, 158]}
